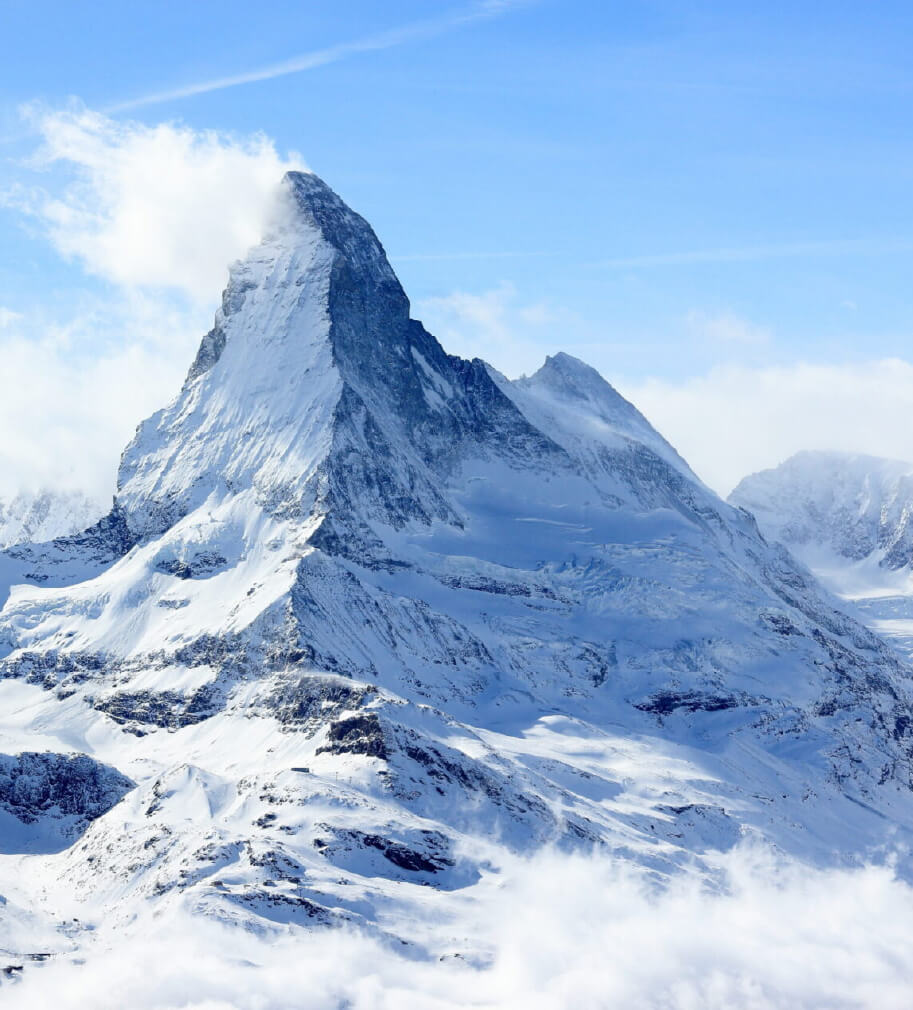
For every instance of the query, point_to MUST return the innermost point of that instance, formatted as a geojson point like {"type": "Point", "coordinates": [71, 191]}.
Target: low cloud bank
{"type": "Point", "coordinates": [72, 394]}
{"type": "Point", "coordinates": [559, 932]}
{"type": "Point", "coordinates": [736, 420]}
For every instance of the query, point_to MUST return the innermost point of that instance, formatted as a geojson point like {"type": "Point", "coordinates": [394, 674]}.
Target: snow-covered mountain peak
{"type": "Point", "coordinates": [851, 506]}
{"type": "Point", "coordinates": [312, 230]}
{"type": "Point", "coordinates": [313, 322]}
{"type": "Point", "coordinates": [574, 388]}
{"type": "Point", "coordinates": [314, 203]}
{"type": "Point", "coordinates": [315, 392]}
{"type": "Point", "coordinates": [849, 517]}
{"type": "Point", "coordinates": [564, 370]}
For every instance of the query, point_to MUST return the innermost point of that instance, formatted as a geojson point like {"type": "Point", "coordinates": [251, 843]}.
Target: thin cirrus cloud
{"type": "Point", "coordinates": [415, 31]}
{"type": "Point", "coordinates": [785, 250]}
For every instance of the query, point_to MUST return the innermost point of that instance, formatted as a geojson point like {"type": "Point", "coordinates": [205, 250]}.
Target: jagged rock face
{"type": "Point", "coordinates": [33, 785]}
{"type": "Point", "coordinates": [56, 794]}
{"type": "Point", "coordinates": [851, 506]}
{"type": "Point", "coordinates": [366, 608]}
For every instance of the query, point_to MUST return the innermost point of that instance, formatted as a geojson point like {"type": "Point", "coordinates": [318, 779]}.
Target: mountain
{"type": "Point", "coordinates": [43, 515]}
{"type": "Point", "coordinates": [850, 519]}
{"type": "Point", "coordinates": [851, 507]}
{"type": "Point", "coordinates": [366, 615]}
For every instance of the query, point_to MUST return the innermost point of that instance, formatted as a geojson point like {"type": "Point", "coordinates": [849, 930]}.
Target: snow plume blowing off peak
{"type": "Point", "coordinates": [369, 627]}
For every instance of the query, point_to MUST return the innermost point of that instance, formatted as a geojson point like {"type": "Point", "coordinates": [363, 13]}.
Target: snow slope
{"type": "Point", "coordinates": [366, 618]}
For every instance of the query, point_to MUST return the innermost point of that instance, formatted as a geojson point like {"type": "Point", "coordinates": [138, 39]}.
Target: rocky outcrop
{"type": "Point", "coordinates": [74, 786]}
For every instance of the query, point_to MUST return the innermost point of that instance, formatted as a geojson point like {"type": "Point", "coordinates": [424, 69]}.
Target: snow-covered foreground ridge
{"type": "Point", "coordinates": [367, 621]}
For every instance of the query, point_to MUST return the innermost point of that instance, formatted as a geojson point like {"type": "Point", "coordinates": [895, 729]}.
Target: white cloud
{"type": "Point", "coordinates": [493, 325]}
{"type": "Point", "coordinates": [559, 931]}
{"type": "Point", "coordinates": [736, 420]}
{"type": "Point", "coordinates": [8, 317]}
{"type": "Point", "coordinates": [728, 329]}
{"type": "Point", "coordinates": [155, 206]}
{"type": "Point", "coordinates": [159, 212]}
{"type": "Point", "coordinates": [72, 394]}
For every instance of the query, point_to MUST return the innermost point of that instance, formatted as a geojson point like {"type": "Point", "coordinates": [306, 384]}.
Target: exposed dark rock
{"type": "Point", "coordinates": [357, 734]}
{"type": "Point", "coordinates": [48, 669]}
{"type": "Point", "coordinates": [165, 709]}
{"type": "Point", "coordinates": [308, 702]}
{"type": "Point", "coordinates": [667, 702]}
{"type": "Point", "coordinates": [199, 566]}
{"type": "Point", "coordinates": [428, 852]}
{"type": "Point", "coordinates": [35, 785]}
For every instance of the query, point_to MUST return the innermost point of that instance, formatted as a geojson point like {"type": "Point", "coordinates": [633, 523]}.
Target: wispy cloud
{"type": "Point", "coordinates": [421, 257]}
{"type": "Point", "coordinates": [415, 31]}
{"type": "Point", "coordinates": [8, 317]}
{"type": "Point", "coordinates": [497, 325]}
{"type": "Point", "coordinates": [728, 329]}
{"type": "Point", "coordinates": [152, 206]}
{"type": "Point", "coordinates": [839, 247]}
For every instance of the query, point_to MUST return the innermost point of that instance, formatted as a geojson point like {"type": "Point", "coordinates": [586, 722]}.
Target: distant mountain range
{"type": "Point", "coordinates": [44, 515]}
{"type": "Point", "coordinates": [848, 517]}
{"type": "Point", "coordinates": [855, 508]}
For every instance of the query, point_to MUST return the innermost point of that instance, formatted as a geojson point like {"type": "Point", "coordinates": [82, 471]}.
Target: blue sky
{"type": "Point", "coordinates": [671, 191]}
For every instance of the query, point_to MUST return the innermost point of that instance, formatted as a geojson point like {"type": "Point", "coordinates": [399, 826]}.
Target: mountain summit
{"type": "Point", "coordinates": [366, 614]}
{"type": "Point", "coordinates": [314, 376]}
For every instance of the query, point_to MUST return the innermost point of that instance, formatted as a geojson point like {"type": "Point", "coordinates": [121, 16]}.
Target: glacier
{"type": "Point", "coordinates": [367, 621]}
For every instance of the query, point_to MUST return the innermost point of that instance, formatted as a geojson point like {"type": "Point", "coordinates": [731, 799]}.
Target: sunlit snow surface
{"type": "Point", "coordinates": [405, 661]}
